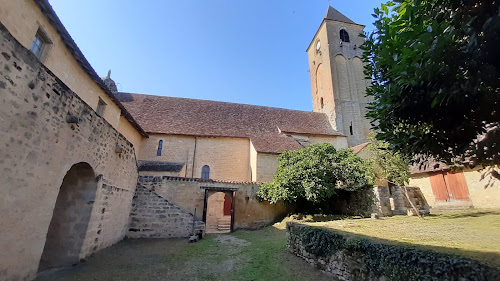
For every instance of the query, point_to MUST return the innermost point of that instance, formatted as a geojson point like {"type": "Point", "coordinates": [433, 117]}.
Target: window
{"type": "Point", "coordinates": [344, 36]}
{"type": "Point", "coordinates": [321, 103]}
{"type": "Point", "coordinates": [350, 129]}
{"type": "Point", "coordinates": [160, 147]}
{"type": "Point", "coordinates": [205, 172]}
{"type": "Point", "coordinates": [40, 44]}
{"type": "Point", "coordinates": [101, 105]}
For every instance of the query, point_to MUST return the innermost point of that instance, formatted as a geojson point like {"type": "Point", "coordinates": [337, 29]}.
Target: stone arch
{"type": "Point", "coordinates": [360, 78]}
{"type": "Point", "coordinates": [70, 218]}
{"type": "Point", "coordinates": [342, 77]}
{"type": "Point", "coordinates": [324, 88]}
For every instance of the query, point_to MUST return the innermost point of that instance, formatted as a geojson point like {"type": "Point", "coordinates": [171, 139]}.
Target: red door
{"type": "Point", "coordinates": [227, 205]}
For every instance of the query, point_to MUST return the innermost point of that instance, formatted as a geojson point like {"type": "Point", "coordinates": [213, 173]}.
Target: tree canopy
{"type": "Point", "coordinates": [314, 174]}
{"type": "Point", "coordinates": [435, 75]}
{"type": "Point", "coordinates": [386, 164]}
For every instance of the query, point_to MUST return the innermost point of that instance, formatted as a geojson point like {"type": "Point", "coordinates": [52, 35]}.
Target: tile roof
{"type": "Point", "coordinates": [264, 126]}
{"type": "Point", "coordinates": [356, 149]}
{"type": "Point", "coordinates": [427, 167]}
{"type": "Point", "coordinates": [68, 41]}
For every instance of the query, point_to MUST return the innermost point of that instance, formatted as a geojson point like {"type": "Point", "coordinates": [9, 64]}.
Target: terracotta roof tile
{"type": "Point", "coordinates": [262, 125]}
{"type": "Point", "coordinates": [356, 149]}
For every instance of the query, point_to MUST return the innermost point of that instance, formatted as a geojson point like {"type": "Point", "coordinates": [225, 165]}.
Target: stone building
{"type": "Point", "coordinates": [338, 83]}
{"type": "Point", "coordinates": [82, 166]}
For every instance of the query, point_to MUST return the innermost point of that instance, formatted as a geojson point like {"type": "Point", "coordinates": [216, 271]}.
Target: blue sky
{"type": "Point", "coordinates": [249, 52]}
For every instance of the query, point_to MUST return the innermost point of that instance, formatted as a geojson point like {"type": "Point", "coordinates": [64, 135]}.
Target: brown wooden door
{"type": "Point", "coordinates": [227, 205]}
{"type": "Point", "coordinates": [455, 181]}
{"type": "Point", "coordinates": [439, 188]}
{"type": "Point", "coordinates": [448, 186]}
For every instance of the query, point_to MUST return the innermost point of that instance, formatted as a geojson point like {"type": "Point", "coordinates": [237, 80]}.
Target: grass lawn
{"type": "Point", "coordinates": [473, 233]}
{"type": "Point", "coordinates": [242, 255]}
{"type": "Point", "coordinates": [261, 255]}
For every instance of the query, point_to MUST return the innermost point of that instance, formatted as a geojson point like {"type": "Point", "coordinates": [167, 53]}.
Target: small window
{"type": "Point", "coordinates": [321, 103]}
{"type": "Point", "coordinates": [205, 172]}
{"type": "Point", "coordinates": [344, 36]}
{"type": "Point", "coordinates": [160, 147]}
{"type": "Point", "coordinates": [40, 44]}
{"type": "Point", "coordinates": [350, 130]}
{"type": "Point", "coordinates": [101, 105]}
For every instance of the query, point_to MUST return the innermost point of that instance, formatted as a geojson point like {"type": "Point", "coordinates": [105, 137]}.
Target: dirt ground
{"type": "Point", "coordinates": [243, 255]}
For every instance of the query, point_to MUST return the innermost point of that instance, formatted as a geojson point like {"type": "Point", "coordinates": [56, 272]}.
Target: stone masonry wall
{"type": "Point", "coordinates": [345, 256]}
{"type": "Point", "coordinates": [228, 158]}
{"type": "Point", "coordinates": [380, 200]}
{"type": "Point", "coordinates": [39, 147]}
{"type": "Point", "coordinates": [152, 216]}
{"type": "Point", "coordinates": [188, 194]}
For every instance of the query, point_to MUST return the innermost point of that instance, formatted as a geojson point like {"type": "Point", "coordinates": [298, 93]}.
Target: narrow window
{"type": "Point", "coordinates": [321, 102]}
{"type": "Point", "coordinates": [205, 172]}
{"type": "Point", "coordinates": [160, 146]}
{"type": "Point", "coordinates": [350, 129]}
{"type": "Point", "coordinates": [344, 36]}
{"type": "Point", "coordinates": [101, 105]}
{"type": "Point", "coordinates": [40, 44]}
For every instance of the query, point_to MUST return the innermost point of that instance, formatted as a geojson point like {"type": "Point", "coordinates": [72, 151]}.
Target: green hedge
{"type": "Point", "coordinates": [392, 261]}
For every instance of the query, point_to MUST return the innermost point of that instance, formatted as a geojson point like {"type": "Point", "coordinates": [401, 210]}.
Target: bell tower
{"type": "Point", "coordinates": [338, 83]}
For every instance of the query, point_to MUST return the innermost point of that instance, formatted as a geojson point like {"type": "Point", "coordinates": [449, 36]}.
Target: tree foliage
{"type": "Point", "coordinates": [436, 79]}
{"type": "Point", "coordinates": [386, 164]}
{"type": "Point", "coordinates": [314, 173]}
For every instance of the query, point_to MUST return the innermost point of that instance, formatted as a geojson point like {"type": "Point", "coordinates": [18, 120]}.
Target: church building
{"type": "Point", "coordinates": [82, 166]}
{"type": "Point", "coordinates": [239, 142]}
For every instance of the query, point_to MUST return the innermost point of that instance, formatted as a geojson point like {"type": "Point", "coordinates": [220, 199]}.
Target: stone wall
{"type": "Point", "coordinates": [189, 193]}
{"type": "Point", "coordinates": [382, 200]}
{"type": "Point", "coordinates": [39, 147]}
{"type": "Point", "coordinates": [352, 257]}
{"type": "Point", "coordinates": [152, 216]}
{"type": "Point", "coordinates": [228, 158]}
{"type": "Point", "coordinates": [266, 166]}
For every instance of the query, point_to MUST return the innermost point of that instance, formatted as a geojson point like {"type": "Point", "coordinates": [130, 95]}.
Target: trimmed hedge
{"type": "Point", "coordinates": [395, 262]}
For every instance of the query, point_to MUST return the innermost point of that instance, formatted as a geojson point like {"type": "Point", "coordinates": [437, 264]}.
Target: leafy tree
{"type": "Point", "coordinates": [314, 173]}
{"type": "Point", "coordinates": [386, 164]}
{"type": "Point", "coordinates": [436, 79]}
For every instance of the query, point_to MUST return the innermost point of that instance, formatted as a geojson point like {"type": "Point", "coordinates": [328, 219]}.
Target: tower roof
{"type": "Point", "coordinates": [334, 14]}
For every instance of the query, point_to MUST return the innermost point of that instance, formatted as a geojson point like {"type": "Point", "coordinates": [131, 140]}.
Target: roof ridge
{"type": "Point", "coordinates": [336, 15]}
{"type": "Point", "coordinates": [225, 102]}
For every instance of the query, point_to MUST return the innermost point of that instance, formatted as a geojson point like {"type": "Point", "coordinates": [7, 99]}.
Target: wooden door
{"type": "Point", "coordinates": [439, 188]}
{"type": "Point", "coordinates": [455, 181]}
{"type": "Point", "coordinates": [448, 186]}
{"type": "Point", "coordinates": [227, 205]}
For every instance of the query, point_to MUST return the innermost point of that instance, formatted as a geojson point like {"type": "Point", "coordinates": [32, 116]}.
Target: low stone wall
{"type": "Point", "coordinates": [152, 216]}
{"type": "Point", "coordinates": [189, 193]}
{"type": "Point", "coordinates": [385, 201]}
{"type": "Point", "coordinates": [348, 257]}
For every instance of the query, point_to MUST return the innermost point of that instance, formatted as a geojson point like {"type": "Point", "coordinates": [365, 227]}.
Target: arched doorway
{"type": "Point", "coordinates": [70, 218]}
{"type": "Point", "coordinates": [218, 212]}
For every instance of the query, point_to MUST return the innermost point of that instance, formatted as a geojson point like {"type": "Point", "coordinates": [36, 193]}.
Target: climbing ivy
{"type": "Point", "coordinates": [395, 262]}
